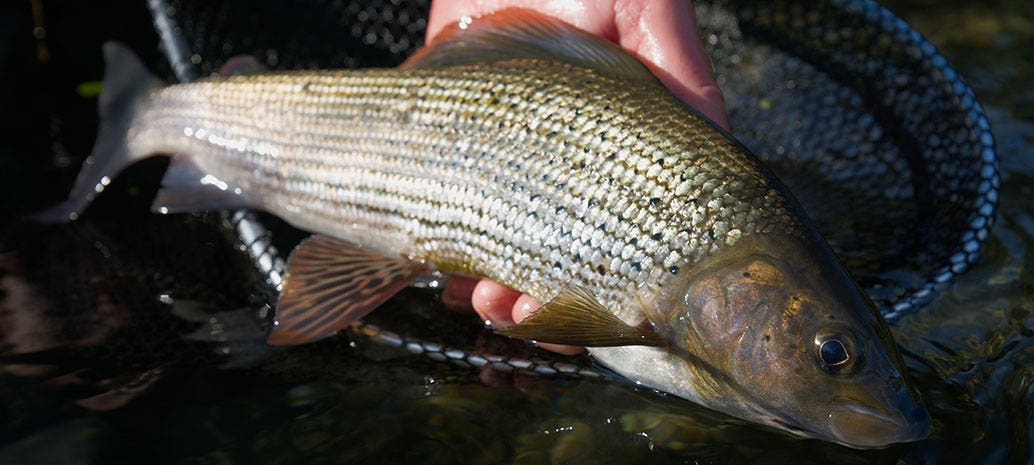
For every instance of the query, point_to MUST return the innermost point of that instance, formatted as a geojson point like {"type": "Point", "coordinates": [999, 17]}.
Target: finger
{"type": "Point", "coordinates": [494, 302]}
{"type": "Point", "coordinates": [664, 35]}
{"type": "Point", "coordinates": [593, 16]}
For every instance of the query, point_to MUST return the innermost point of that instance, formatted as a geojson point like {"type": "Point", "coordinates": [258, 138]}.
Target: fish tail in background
{"type": "Point", "coordinates": [125, 87]}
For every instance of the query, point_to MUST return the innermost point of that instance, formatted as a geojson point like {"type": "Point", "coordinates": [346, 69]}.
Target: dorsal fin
{"type": "Point", "coordinates": [241, 65]}
{"type": "Point", "coordinates": [517, 33]}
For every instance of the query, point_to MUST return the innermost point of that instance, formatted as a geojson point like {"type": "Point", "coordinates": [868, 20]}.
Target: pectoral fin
{"type": "Point", "coordinates": [575, 318]}
{"type": "Point", "coordinates": [330, 284]}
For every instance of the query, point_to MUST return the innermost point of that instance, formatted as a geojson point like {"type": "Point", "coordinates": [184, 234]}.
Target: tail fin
{"type": "Point", "coordinates": [124, 89]}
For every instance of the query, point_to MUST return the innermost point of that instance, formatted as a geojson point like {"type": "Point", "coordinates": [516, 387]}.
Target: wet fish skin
{"type": "Point", "coordinates": [441, 181]}
{"type": "Point", "coordinates": [546, 175]}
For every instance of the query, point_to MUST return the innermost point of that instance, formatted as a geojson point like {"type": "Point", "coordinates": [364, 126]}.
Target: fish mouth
{"type": "Point", "coordinates": [861, 428]}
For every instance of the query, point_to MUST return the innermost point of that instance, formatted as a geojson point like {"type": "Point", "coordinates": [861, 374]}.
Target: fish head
{"type": "Point", "coordinates": [794, 343]}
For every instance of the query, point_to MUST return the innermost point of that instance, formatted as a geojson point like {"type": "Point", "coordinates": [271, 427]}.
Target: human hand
{"type": "Point", "coordinates": [662, 33]}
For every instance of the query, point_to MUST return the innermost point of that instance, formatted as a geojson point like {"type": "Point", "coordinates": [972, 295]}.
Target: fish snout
{"type": "Point", "coordinates": [865, 429]}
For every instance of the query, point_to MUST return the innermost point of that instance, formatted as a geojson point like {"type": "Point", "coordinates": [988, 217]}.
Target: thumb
{"type": "Point", "coordinates": [664, 35]}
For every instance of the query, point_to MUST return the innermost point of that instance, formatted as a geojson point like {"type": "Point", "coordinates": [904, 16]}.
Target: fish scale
{"type": "Point", "coordinates": [560, 168]}
{"type": "Point", "coordinates": [501, 172]}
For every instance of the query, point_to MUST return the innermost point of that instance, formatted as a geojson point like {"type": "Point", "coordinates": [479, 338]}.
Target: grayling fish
{"type": "Point", "coordinates": [530, 152]}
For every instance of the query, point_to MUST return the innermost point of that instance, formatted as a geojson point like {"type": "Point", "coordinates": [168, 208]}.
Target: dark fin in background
{"type": "Point", "coordinates": [237, 336]}
{"type": "Point", "coordinates": [186, 189]}
{"type": "Point", "coordinates": [125, 87]}
{"type": "Point", "coordinates": [330, 284]}
{"type": "Point", "coordinates": [517, 33]}
{"type": "Point", "coordinates": [575, 318]}
{"type": "Point", "coordinates": [121, 390]}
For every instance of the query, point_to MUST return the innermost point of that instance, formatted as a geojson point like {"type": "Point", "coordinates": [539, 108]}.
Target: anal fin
{"type": "Point", "coordinates": [576, 318]}
{"type": "Point", "coordinates": [186, 189]}
{"type": "Point", "coordinates": [330, 284]}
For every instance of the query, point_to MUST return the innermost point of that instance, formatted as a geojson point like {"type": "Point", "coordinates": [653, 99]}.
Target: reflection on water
{"type": "Point", "coordinates": [108, 356]}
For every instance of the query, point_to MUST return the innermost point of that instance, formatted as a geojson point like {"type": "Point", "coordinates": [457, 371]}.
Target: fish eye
{"type": "Point", "coordinates": [836, 353]}
{"type": "Point", "coordinates": [833, 352]}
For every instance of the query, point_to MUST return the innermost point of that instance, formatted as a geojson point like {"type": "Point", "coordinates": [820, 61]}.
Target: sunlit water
{"type": "Point", "coordinates": [115, 387]}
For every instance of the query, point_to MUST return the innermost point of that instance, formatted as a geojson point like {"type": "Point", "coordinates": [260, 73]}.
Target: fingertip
{"type": "Point", "coordinates": [442, 14]}
{"type": "Point", "coordinates": [524, 307]}
{"type": "Point", "coordinates": [712, 105]}
{"type": "Point", "coordinates": [494, 302]}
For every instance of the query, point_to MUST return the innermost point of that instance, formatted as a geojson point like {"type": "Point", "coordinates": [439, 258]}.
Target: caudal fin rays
{"type": "Point", "coordinates": [124, 89]}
